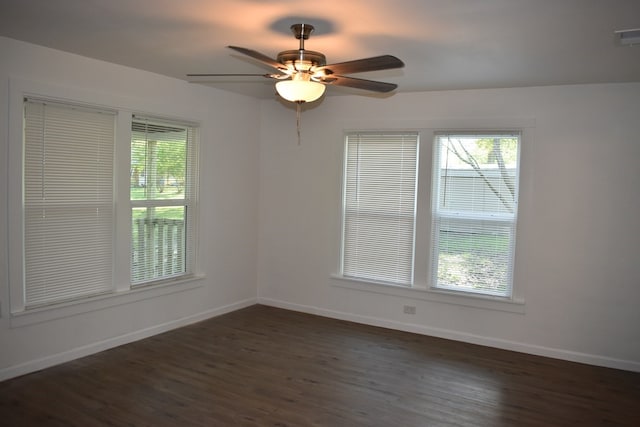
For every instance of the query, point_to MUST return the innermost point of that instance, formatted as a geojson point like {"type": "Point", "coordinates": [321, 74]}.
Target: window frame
{"type": "Point", "coordinates": [58, 138]}
{"type": "Point", "coordinates": [421, 289]}
{"type": "Point", "coordinates": [378, 137]}
{"type": "Point", "coordinates": [123, 292]}
{"type": "Point", "coordinates": [188, 202]}
{"type": "Point", "coordinates": [457, 215]}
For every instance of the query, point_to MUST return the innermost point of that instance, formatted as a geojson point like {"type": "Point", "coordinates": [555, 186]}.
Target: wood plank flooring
{"type": "Point", "coordinates": [263, 366]}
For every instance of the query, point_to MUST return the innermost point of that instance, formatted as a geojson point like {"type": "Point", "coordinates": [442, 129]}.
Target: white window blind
{"type": "Point", "coordinates": [68, 202]}
{"type": "Point", "coordinates": [163, 190]}
{"type": "Point", "coordinates": [379, 206]}
{"type": "Point", "coordinates": [475, 193]}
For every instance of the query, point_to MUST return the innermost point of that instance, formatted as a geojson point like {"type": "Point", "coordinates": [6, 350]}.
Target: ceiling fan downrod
{"type": "Point", "coordinates": [302, 60]}
{"type": "Point", "coordinates": [302, 32]}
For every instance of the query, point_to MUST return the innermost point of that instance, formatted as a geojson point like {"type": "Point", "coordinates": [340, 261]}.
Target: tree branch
{"type": "Point", "coordinates": [508, 181]}
{"type": "Point", "coordinates": [471, 161]}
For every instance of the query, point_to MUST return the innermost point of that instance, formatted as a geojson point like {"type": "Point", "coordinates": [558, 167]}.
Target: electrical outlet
{"type": "Point", "coordinates": [409, 309]}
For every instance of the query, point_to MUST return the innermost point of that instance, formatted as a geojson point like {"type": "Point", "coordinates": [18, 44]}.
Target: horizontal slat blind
{"type": "Point", "coordinates": [164, 156]}
{"type": "Point", "coordinates": [68, 202]}
{"type": "Point", "coordinates": [379, 206]}
{"type": "Point", "coordinates": [475, 204]}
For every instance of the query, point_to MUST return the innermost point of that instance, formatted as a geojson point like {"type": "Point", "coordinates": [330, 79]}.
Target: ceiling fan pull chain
{"type": "Point", "coordinates": [298, 109]}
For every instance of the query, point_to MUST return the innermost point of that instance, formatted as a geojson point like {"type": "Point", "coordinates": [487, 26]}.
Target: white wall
{"type": "Point", "coordinates": [228, 201]}
{"type": "Point", "coordinates": [578, 252]}
{"type": "Point", "coordinates": [577, 256]}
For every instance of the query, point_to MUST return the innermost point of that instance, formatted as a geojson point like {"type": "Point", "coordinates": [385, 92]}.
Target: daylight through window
{"type": "Point", "coordinates": [162, 191]}
{"type": "Point", "coordinates": [475, 193]}
{"type": "Point", "coordinates": [472, 182]}
{"type": "Point", "coordinates": [74, 219]}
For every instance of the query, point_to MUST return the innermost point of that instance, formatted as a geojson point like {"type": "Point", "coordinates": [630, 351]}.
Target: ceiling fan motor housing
{"type": "Point", "coordinates": [302, 60]}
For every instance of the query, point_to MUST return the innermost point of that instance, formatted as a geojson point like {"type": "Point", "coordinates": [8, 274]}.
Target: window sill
{"type": "Point", "coordinates": [446, 297]}
{"type": "Point", "coordinates": [71, 308]}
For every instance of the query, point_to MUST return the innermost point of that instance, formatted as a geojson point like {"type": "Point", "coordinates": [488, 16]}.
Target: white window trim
{"type": "Point", "coordinates": [190, 202]}
{"type": "Point", "coordinates": [100, 302]}
{"type": "Point", "coordinates": [421, 289]}
{"type": "Point", "coordinates": [123, 292]}
{"type": "Point", "coordinates": [509, 220]}
{"type": "Point", "coordinates": [345, 210]}
{"type": "Point", "coordinates": [511, 305]}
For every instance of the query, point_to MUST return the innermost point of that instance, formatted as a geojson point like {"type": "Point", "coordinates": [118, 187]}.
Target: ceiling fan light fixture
{"type": "Point", "coordinates": [300, 90]}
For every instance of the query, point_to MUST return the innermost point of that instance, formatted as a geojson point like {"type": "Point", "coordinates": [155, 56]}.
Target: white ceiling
{"type": "Point", "coordinates": [445, 44]}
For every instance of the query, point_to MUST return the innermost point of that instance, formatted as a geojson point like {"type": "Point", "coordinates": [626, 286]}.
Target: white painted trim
{"type": "Point", "coordinates": [18, 89]}
{"type": "Point", "coordinates": [436, 295]}
{"type": "Point", "coordinates": [100, 302]}
{"type": "Point", "coordinates": [555, 353]}
{"type": "Point", "coordinates": [66, 356]}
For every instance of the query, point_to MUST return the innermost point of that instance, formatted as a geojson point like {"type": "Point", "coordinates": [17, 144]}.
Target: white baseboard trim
{"type": "Point", "coordinates": [555, 353]}
{"type": "Point", "coordinates": [66, 356]}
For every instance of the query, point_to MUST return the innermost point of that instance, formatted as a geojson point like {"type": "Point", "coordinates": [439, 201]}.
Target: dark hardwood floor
{"type": "Point", "coordinates": [264, 366]}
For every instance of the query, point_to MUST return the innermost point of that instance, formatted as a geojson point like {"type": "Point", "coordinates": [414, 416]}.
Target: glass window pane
{"type": "Point", "coordinates": [158, 162]}
{"type": "Point", "coordinates": [475, 204]}
{"type": "Point", "coordinates": [158, 242]}
{"type": "Point", "coordinates": [474, 258]}
{"type": "Point", "coordinates": [162, 191]}
{"type": "Point", "coordinates": [379, 206]}
{"type": "Point", "coordinates": [478, 173]}
{"type": "Point", "coordinates": [68, 202]}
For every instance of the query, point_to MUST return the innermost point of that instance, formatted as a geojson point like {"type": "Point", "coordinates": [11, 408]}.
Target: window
{"type": "Point", "coordinates": [68, 201]}
{"type": "Point", "coordinates": [162, 192]}
{"type": "Point", "coordinates": [379, 206]}
{"type": "Point", "coordinates": [452, 208]}
{"type": "Point", "coordinates": [73, 217]}
{"type": "Point", "coordinates": [475, 187]}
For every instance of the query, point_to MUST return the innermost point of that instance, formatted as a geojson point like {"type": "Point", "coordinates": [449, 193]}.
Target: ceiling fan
{"type": "Point", "coordinates": [302, 74]}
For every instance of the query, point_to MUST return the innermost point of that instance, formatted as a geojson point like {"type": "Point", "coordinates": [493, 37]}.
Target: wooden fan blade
{"type": "Point", "coordinates": [384, 62]}
{"type": "Point", "coordinates": [201, 78]}
{"type": "Point", "coordinates": [360, 83]}
{"type": "Point", "coordinates": [260, 57]}
{"type": "Point", "coordinates": [229, 75]}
